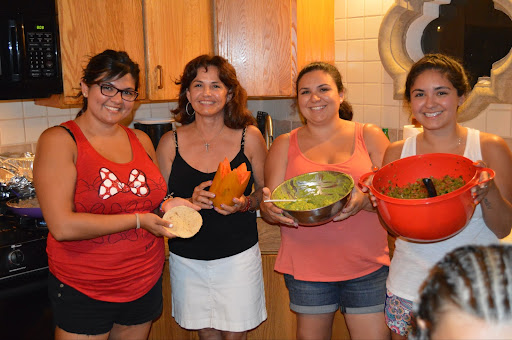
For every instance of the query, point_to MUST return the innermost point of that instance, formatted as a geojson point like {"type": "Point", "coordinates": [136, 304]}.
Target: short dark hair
{"type": "Point", "coordinates": [446, 65]}
{"type": "Point", "coordinates": [475, 279]}
{"type": "Point", "coordinates": [345, 110]}
{"type": "Point", "coordinates": [236, 113]}
{"type": "Point", "coordinates": [106, 66]}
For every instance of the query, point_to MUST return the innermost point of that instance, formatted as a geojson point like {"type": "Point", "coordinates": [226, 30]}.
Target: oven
{"type": "Point", "coordinates": [25, 310]}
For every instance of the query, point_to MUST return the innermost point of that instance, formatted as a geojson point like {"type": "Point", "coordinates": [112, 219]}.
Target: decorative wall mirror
{"type": "Point", "coordinates": [414, 27]}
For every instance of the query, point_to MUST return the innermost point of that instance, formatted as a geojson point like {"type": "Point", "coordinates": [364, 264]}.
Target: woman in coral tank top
{"type": "Point", "coordinates": [342, 264]}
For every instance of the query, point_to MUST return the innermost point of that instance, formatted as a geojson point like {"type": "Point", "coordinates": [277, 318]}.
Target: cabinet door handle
{"type": "Point", "coordinates": [161, 73]}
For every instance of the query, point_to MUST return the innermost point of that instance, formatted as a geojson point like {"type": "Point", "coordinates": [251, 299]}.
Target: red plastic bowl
{"type": "Point", "coordinates": [428, 219]}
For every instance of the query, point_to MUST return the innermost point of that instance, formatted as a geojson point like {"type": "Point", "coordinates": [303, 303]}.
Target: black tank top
{"type": "Point", "coordinates": [220, 236]}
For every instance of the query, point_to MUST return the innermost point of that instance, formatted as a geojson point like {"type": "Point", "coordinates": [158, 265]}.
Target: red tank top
{"type": "Point", "coordinates": [119, 267]}
{"type": "Point", "coordinates": [335, 251]}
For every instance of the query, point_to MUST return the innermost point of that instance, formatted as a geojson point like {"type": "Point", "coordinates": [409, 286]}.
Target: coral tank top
{"type": "Point", "coordinates": [335, 251]}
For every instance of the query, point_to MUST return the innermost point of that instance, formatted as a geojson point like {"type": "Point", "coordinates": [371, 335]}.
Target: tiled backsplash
{"type": "Point", "coordinates": [21, 122]}
{"type": "Point", "coordinates": [369, 89]}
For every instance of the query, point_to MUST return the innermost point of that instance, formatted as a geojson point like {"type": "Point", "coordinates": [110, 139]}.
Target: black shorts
{"type": "Point", "coordinates": [77, 313]}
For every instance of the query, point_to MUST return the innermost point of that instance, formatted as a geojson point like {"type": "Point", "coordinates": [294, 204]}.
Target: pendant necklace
{"type": "Point", "coordinates": [207, 143]}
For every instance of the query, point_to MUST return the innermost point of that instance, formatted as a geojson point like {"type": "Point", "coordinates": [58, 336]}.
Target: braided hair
{"type": "Point", "coordinates": [475, 279]}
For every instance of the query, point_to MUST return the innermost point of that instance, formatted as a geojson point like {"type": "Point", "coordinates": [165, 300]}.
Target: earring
{"type": "Point", "coordinates": [186, 109]}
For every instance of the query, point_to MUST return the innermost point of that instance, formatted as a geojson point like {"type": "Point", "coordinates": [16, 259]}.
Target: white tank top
{"type": "Point", "coordinates": [411, 261]}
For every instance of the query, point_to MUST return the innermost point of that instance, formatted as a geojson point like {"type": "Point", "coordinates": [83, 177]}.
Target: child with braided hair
{"type": "Point", "coordinates": [467, 295]}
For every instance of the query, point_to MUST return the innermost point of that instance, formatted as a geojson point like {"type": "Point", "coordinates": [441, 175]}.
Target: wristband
{"type": "Point", "coordinates": [247, 205]}
{"type": "Point", "coordinates": [166, 198]}
{"type": "Point", "coordinates": [138, 221]}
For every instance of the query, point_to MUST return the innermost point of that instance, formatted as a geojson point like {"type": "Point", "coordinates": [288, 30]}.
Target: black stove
{"type": "Point", "coordinates": [22, 245]}
{"type": "Point", "coordinates": [25, 310]}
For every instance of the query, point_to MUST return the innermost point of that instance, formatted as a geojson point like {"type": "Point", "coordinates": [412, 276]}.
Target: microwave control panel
{"type": "Point", "coordinates": [41, 54]}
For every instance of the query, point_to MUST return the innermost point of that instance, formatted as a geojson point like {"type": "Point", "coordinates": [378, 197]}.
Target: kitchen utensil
{"type": "Point", "coordinates": [429, 184]}
{"type": "Point", "coordinates": [283, 200]}
{"type": "Point", "coordinates": [326, 184]}
{"type": "Point", "coordinates": [427, 219]}
{"type": "Point", "coordinates": [17, 207]}
{"type": "Point", "coordinates": [266, 126]}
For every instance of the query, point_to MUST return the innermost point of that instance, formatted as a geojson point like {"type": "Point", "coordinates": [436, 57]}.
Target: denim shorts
{"type": "Point", "coordinates": [363, 295]}
{"type": "Point", "coordinates": [77, 313]}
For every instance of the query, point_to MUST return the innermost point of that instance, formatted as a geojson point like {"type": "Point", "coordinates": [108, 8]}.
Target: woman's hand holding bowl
{"type": "Point", "coordinates": [485, 182]}
{"type": "Point", "coordinates": [276, 214]}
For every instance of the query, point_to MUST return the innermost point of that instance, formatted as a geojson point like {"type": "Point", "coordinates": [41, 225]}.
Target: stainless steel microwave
{"type": "Point", "coordinates": [29, 50]}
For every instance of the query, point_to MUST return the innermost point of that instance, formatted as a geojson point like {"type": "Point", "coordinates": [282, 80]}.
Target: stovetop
{"type": "Point", "coordinates": [19, 229]}
{"type": "Point", "coordinates": [22, 246]}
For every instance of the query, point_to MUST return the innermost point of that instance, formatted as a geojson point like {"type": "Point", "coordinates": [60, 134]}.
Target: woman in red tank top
{"type": "Point", "coordinates": [98, 184]}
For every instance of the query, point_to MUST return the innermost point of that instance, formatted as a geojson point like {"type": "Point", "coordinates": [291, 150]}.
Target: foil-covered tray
{"type": "Point", "coordinates": [19, 164]}
{"type": "Point", "coordinates": [16, 175]}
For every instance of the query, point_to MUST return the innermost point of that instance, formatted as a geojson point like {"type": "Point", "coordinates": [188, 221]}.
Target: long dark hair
{"type": "Point", "coordinates": [106, 66]}
{"type": "Point", "coordinates": [236, 113]}
{"type": "Point", "coordinates": [475, 279]}
{"type": "Point", "coordinates": [444, 64]}
{"type": "Point", "coordinates": [345, 110]}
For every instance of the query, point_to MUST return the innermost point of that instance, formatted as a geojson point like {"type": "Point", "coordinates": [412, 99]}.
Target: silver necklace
{"type": "Point", "coordinates": [207, 143]}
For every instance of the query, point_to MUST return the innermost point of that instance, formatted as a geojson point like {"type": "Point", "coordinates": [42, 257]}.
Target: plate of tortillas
{"type": "Point", "coordinates": [185, 220]}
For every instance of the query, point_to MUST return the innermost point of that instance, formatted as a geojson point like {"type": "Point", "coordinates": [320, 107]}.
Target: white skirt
{"type": "Point", "coordinates": [225, 294]}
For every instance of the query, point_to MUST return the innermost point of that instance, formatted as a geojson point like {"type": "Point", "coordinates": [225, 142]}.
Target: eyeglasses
{"type": "Point", "coordinates": [111, 91]}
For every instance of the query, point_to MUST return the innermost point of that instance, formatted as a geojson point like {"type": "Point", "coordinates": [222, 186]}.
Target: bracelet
{"type": "Point", "coordinates": [166, 198]}
{"type": "Point", "coordinates": [138, 221]}
{"type": "Point", "coordinates": [247, 205]}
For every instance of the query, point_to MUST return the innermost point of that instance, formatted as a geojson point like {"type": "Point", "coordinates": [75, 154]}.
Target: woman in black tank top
{"type": "Point", "coordinates": [216, 124]}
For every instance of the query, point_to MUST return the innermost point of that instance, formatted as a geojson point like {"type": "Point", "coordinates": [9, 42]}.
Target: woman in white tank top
{"type": "Point", "coordinates": [436, 86]}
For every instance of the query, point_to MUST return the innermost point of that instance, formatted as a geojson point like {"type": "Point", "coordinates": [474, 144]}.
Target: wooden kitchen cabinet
{"type": "Point", "coordinates": [90, 27]}
{"type": "Point", "coordinates": [268, 41]}
{"type": "Point", "coordinates": [161, 37]}
{"type": "Point", "coordinates": [315, 31]}
{"type": "Point", "coordinates": [176, 31]}
{"type": "Point", "coordinates": [256, 37]}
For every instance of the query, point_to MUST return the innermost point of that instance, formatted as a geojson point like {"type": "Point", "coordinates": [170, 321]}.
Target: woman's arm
{"type": "Point", "coordinates": [256, 151]}
{"type": "Point", "coordinates": [393, 152]}
{"type": "Point", "coordinates": [275, 171]}
{"type": "Point", "coordinates": [165, 153]}
{"type": "Point", "coordinates": [376, 143]}
{"type": "Point", "coordinates": [55, 180]}
{"type": "Point", "coordinates": [496, 204]}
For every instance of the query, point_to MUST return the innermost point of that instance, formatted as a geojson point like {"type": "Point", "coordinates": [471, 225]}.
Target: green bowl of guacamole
{"type": "Point", "coordinates": [320, 196]}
